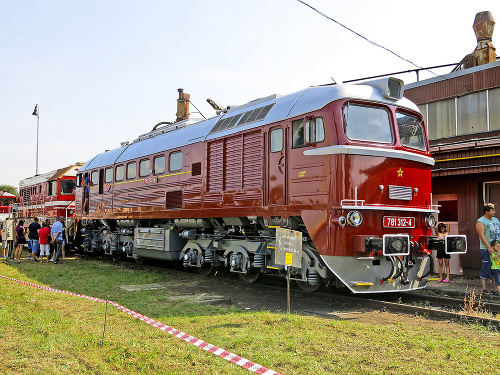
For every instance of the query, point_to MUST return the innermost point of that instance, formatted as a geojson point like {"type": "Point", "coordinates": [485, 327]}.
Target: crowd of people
{"type": "Point", "coordinates": [44, 241]}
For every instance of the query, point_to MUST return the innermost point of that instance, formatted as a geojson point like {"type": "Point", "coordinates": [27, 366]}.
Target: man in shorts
{"type": "Point", "coordinates": [33, 229]}
{"type": "Point", "coordinates": [488, 229]}
{"type": "Point", "coordinates": [86, 184]}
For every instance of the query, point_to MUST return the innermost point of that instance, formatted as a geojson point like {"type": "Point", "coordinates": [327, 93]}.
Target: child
{"type": "Point", "coordinates": [43, 234]}
{"type": "Point", "coordinates": [495, 266]}
{"type": "Point", "coordinates": [442, 231]}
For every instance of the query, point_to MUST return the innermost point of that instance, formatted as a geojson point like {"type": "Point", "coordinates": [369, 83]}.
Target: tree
{"type": "Point", "coordinates": [9, 189]}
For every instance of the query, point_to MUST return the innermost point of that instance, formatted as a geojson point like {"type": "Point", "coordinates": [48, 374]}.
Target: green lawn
{"type": "Point", "coordinates": [42, 332]}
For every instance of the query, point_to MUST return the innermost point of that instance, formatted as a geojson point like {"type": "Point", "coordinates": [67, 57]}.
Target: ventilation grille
{"type": "Point", "coordinates": [235, 163]}
{"type": "Point", "coordinates": [254, 115]}
{"type": "Point", "coordinates": [400, 192]}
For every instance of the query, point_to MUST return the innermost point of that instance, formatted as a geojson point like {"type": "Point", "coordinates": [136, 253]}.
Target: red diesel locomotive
{"type": "Point", "coordinates": [347, 166]}
{"type": "Point", "coordinates": [49, 196]}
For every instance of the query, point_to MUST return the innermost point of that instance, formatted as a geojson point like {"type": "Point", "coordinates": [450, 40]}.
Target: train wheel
{"type": "Point", "coordinates": [306, 287]}
{"type": "Point", "coordinates": [207, 269]}
{"type": "Point", "coordinates": [251, 276]}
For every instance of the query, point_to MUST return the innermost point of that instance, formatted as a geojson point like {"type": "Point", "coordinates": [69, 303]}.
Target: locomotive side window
{"type": "Point", "coordinates": [68, 187]}
{"type": "Point", "coordinates": [52, 187]}
{"type": "Point", "coordinates": [119, 173]}
{"type": "Point", "coordinates": [298, 129]}
{"type": "Point", "coordinates": [108, 175]}
{"type": "Point", "coordinates": [175, 161]}
{"type": "Point", "coordinates": [144, 168]}
{"type": "Point", "coordinates": [411, 131]}
{"type": "Point", "coordinates": [315, 130]}
{"type": "Point", "coordinates": [277, 140]}
{"type": "Point", "coordinates": [94, 178]}
{"type": "Point", "coordinates": [363, 123]}
{"type": "Point", "coordinates": [159, 164]}
{"type": "Point", "coordinates": [79, 180]}
{"type": "Point", "coordinates": [131, 170]}
{"type": "Point", "coordinates": [307, 132]}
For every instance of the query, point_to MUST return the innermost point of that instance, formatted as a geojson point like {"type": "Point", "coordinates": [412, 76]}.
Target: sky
{"type": "Point", "coordinates": [106, 71]}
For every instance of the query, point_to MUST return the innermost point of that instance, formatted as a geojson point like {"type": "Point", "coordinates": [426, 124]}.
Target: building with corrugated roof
{"type": "Point", "coordinates": [462, 113]}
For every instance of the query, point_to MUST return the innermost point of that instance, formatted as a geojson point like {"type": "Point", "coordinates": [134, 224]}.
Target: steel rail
{"type": "Point", "coordinates": [436, 312]}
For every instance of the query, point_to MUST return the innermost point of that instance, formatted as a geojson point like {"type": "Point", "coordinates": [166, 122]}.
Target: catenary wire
{"type": "Point", "coordinates": [378, 45]}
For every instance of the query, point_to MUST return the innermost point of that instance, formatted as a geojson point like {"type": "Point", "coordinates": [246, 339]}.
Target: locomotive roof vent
{"type": "Point", "coordinates": [253, 115]}
{"type": "Point", "coordinates": [390, 88]}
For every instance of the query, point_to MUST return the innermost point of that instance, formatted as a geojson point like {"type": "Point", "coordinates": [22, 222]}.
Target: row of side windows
{"type": "Point", "coordinates": [67, 188]}
{"type": "Point", "coordinates": [129, 171]}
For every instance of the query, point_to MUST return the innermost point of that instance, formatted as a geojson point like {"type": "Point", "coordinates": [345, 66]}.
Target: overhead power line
{"type": "Point", "coordinates": [378, 45]}
{"type": "Point", "coordinates": [358, 34]}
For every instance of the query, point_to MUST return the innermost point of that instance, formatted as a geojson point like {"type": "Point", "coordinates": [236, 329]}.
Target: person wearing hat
{"type": "Point", "coordinates": [442, 230]}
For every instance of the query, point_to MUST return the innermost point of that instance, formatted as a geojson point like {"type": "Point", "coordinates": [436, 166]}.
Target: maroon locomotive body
{"type": "Point", "coordinates": [347, 166]}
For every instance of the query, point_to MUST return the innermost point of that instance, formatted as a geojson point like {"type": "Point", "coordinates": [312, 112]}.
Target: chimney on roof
{"type": "Point", "coordinates": [484, 52]}
{"type": "Point", "coordinates": [182, 106]}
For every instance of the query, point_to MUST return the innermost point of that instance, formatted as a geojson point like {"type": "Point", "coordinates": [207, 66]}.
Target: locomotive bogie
{"type": "Point", "coordinates": [243, 245]}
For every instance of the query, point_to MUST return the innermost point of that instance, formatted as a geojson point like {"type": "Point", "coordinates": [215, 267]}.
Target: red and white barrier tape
{"type": "Point", "coordinates": [228, 356]}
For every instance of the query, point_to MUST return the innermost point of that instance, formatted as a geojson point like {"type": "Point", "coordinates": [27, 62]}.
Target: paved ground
{"type": "Point", "coordinates": [461, 285]}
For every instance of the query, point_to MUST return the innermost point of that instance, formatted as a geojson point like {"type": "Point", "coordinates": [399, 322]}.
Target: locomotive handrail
{"type": "Point", "coordinates": [352, 202]}
{"type": "Point", "coordinates": [387, 208]}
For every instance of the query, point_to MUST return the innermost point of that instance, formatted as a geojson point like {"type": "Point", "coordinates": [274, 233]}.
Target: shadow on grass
{"type": "Point", "coordinates": [103, 280]}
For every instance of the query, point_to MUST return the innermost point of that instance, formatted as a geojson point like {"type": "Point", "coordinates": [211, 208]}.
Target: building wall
{"type": "Point", "coordinates": [469, 190]}
{"type": "Point", "coordinates": [455, 84]}
{"type": "Point", "coordinates": [464, 162]}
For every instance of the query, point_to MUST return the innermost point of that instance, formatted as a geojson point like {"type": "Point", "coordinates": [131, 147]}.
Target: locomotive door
{"type": "Point", "coordinates": [277, 157]}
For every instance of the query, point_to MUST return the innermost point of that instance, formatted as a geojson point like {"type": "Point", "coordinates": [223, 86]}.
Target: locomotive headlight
{"type": "Point", "coordinates": [354, 218]}
{"type": "Point", "coordinates": [397, 245]}
{"type": "Point", "coordinates": [430, 220]}
{"type": "Point", "coordinates": [455, 244]}
{"type": "Point", "coordinates": [460, 245]}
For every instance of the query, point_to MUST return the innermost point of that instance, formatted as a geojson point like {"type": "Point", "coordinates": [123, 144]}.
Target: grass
{"type": "Point", "coordinates": [42, 332]}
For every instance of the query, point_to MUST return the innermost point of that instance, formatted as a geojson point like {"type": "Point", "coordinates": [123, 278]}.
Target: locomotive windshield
{"type": "Point", "coordinates": [411, 131]}
{"type": "Point", "coordinates": [68, 187]}
{"type": "Point", "coordinates": [364, 123]}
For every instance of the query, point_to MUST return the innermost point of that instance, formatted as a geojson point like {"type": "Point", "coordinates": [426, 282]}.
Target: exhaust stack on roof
{"type": "Point", "coordinates": [182, 106]}
{"type": "Point", "coordinates": [484, 52]}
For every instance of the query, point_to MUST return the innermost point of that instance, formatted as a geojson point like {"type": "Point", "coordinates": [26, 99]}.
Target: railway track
{"type": "Point", "coordinates": [325, 301]}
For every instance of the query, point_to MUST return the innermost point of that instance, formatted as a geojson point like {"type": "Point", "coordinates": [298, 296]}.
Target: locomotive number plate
{"type": "Point", "coordinates": [399, 222]}
{"type": "Point", "coordinates": [151, 180]}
